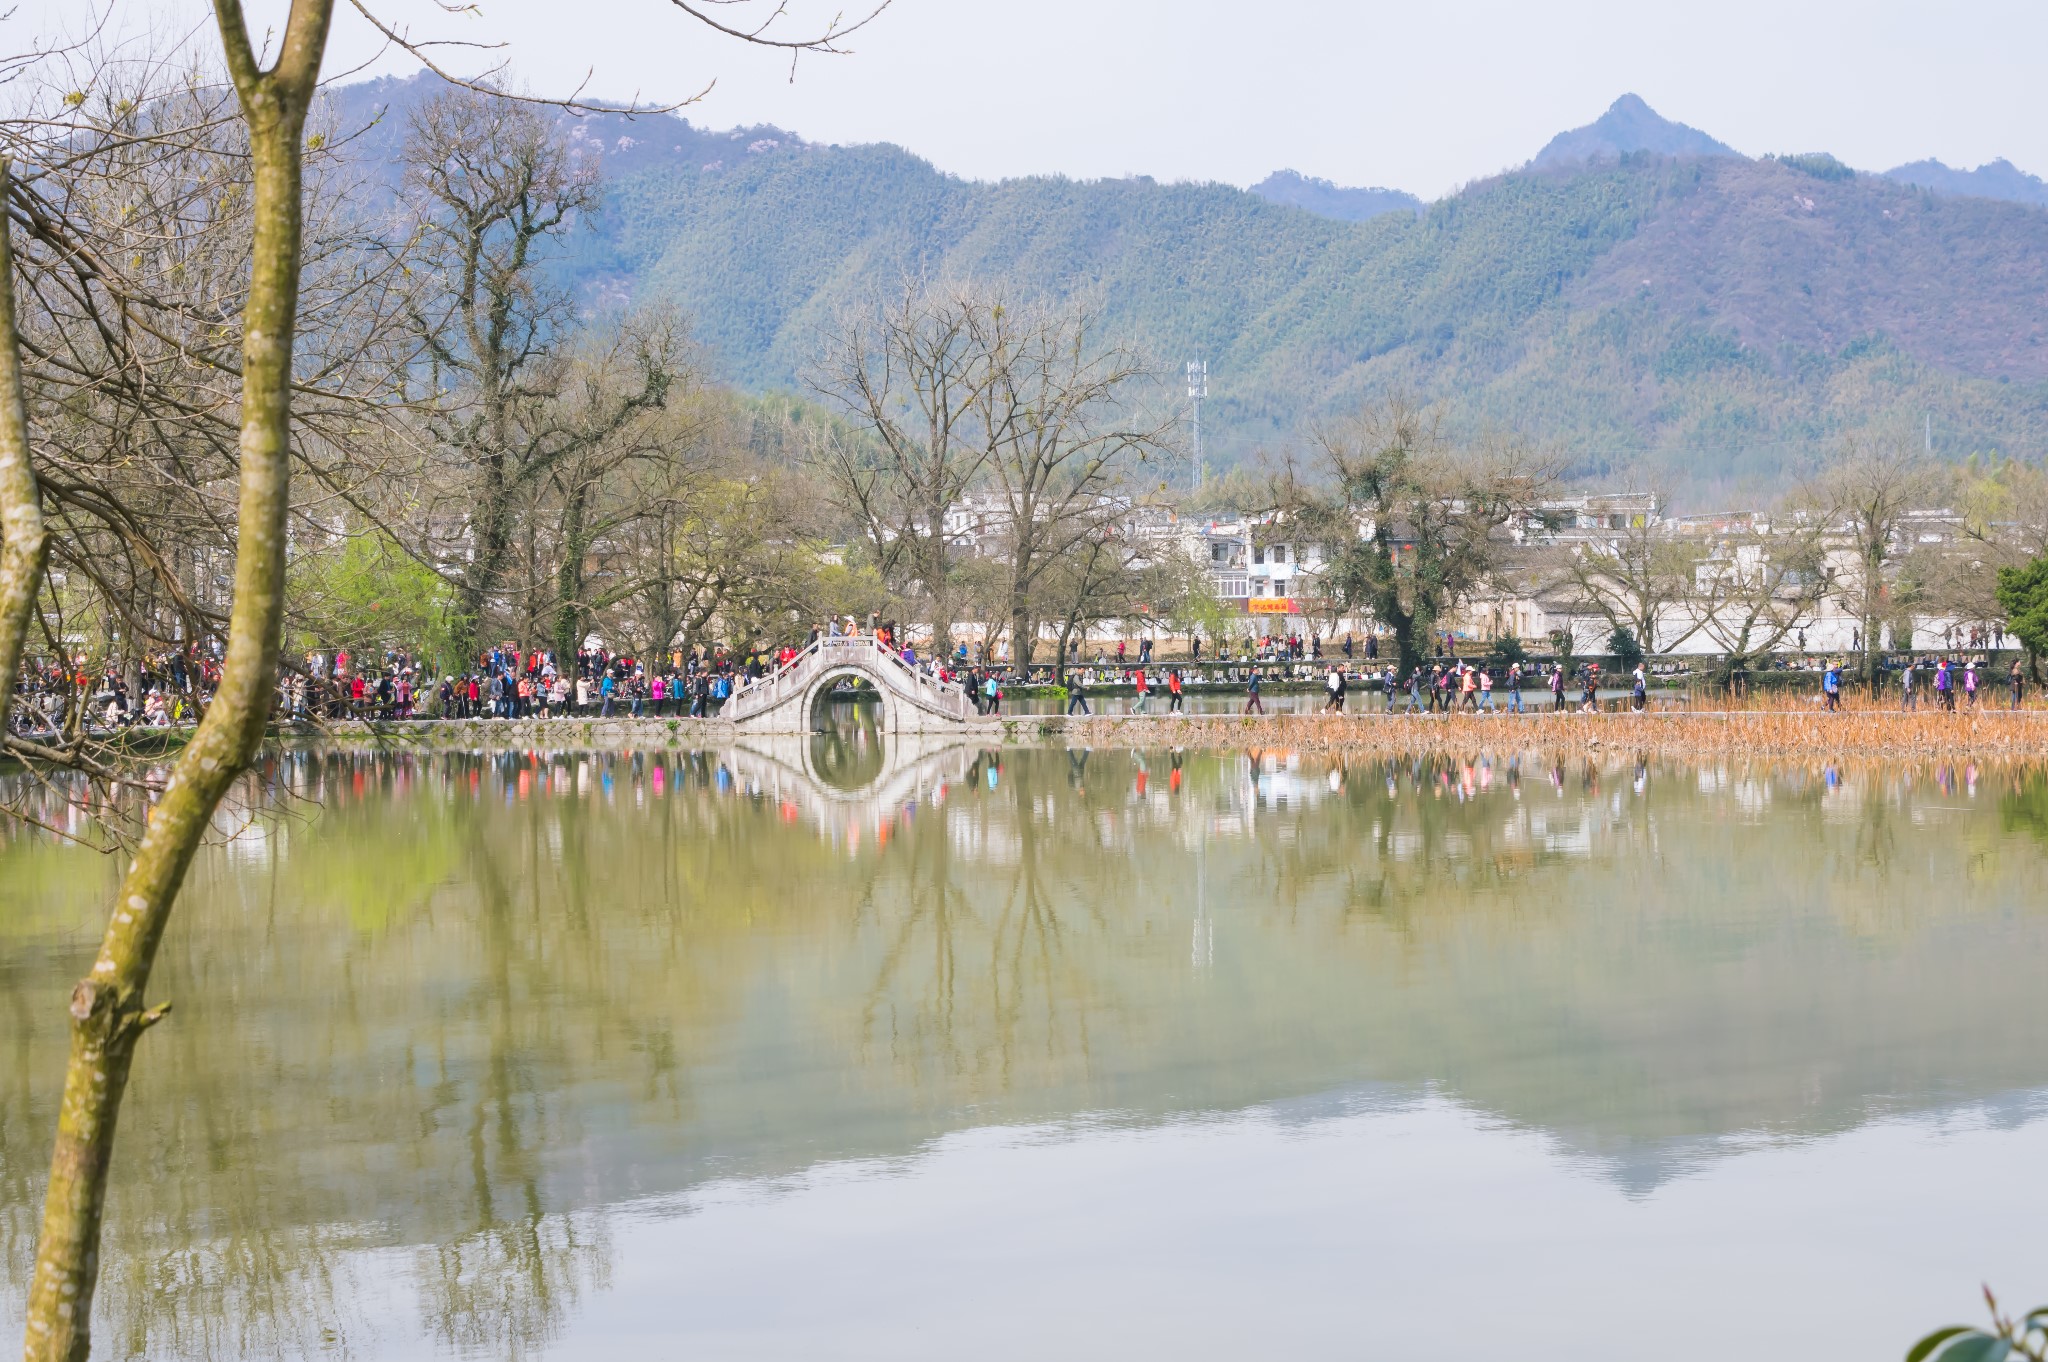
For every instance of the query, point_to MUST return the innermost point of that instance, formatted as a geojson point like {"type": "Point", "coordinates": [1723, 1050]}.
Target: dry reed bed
{"type": "Point", "coordinates": [1858, 732]}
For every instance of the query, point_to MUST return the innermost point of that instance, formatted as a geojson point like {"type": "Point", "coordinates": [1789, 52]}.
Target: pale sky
{"type": "Point", "coordinates": [1421, 97]}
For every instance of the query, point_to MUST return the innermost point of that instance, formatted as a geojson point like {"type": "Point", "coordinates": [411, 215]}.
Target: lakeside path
{"type": "Point", "coordinates": [1857, 732]}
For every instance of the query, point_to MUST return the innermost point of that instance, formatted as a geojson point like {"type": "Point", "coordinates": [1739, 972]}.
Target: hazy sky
{"type": "Point", "coordinates": [1416, 96]}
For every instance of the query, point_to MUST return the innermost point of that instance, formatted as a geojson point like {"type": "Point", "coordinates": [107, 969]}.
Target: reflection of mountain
{"type": "Point", "coordinates": [467, 998]}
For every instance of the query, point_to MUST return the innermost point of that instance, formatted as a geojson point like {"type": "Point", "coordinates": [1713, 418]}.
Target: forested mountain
{"type": "Point", "coordinates": [1703, 321]}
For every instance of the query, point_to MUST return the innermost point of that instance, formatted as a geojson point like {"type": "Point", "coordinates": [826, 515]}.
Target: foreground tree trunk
{"type": "Point", "coordinates": [108, 1012]}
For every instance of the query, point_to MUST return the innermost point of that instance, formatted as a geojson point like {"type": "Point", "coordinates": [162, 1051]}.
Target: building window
{"type": "Point", "coordinates": [1279, 553]}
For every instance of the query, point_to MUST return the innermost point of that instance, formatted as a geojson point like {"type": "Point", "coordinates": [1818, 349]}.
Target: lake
{"type": "Point", "coordinates": [837, 1048]}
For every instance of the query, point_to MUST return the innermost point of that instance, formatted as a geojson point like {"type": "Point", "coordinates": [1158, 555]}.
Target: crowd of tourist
{"type": "Point", "coordinates": [172, 687]}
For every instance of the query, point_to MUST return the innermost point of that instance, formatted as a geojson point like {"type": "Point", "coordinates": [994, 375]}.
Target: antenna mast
{"type": "Point", "coordinates": [1198, 388]}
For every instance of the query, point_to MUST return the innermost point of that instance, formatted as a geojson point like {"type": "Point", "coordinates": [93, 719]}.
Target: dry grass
{"type": "Point", "coordinates": [1757, 731]}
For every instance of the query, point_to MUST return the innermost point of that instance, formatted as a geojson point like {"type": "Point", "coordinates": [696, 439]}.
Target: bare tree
{"type": "Point", "coordinates": [1868, 489]}
{"type": "Point", "coordinates": [1060, 413]}
{"type": "Point", "coordinates": [1636, 579]}
{"type": "Point", "coordinates": [960, 389]}
{"type": "Point", "coordinates": [109, 1012]}
{"type": "Point", "coordinates": [2004, 506]}
{"type": "Point", "coordinates": [1754, 590]}
{"type": "Point", "coordinates": [919, 387]}
{"type": "Point", "coordinates": [498, 186]}
{"type": "Point", "coordinates": [24, 543]}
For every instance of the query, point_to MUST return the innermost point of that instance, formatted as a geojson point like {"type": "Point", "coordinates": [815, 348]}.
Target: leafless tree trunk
{"type": "Point", "coordinates": [1636, 580]}
{"type": "Point", "coordinates": [1754, 591]}
{"type": "Point", "coordinates": [499, 184]}
{"type": "Point", "coordinates": [1869, 488]}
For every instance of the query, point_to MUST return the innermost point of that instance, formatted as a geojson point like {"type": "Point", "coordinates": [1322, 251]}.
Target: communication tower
{"type": "Point", "coordinates": [1198, 388]}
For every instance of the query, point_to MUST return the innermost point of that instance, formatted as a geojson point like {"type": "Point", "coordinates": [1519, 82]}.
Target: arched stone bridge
{"type": "Point", "coordinates": [787, 700]}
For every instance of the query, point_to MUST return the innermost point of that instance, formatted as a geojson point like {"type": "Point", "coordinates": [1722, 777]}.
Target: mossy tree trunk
{"type": "Point", "coordinates": [108, 1011]}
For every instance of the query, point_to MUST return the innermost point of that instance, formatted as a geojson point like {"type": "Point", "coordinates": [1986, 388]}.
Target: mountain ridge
{"type": "Point", "coordinates": [1704, 322]}
{"type": "Point", "coordinates": [1329, 200]}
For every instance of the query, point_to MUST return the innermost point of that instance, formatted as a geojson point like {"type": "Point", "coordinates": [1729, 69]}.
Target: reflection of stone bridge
{"type": "Point", "coordinates": [797, 769]}
{"type": "Point", "coordinates": [788, 700]}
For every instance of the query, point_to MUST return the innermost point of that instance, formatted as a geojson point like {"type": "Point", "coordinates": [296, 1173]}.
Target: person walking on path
{"type": "Point", "coordinates": [1557, 687]}
{"type": "Point", "coordinates": [1639, 696]}
{"type": "Point", "coordinates": [1831, 687]}
{"type": "Point", "coordinates": [1909, 693]}
{"type": "Point", "coordinates": [1486, 689]}
{"type": "Point", "coordinates": [1514, 687]}
{"type": "Point", "coordinates": [1970, 682]}
{"type": "Point", "coordinates": [1252, 700]}
{"type": "Point", "coordinates": [1144, 691]}
{"type": "Point", "coordinates": [2018, 681]}
{"type": "Point", "coordinates": [1077, 695]}
{"type": "Point", "coordinates": [1944, 687]}
{"type": "Point", "coordinates": [1173, 695]}
{"type": "Point", "coordinates": [992, 691]}
{"type": "Point", "coordinates": [1334, 689]}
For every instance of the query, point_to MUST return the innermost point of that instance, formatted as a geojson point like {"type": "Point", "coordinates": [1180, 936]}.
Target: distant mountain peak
{"type": "Point", "coordinates": [1328, 200]}
{"type": "Point", "coordinates": [1999, 179]}
{"type": "Point", "coordinates": [1629, 125]}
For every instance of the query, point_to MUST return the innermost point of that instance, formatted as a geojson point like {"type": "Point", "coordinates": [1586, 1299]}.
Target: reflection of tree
{"type": "Point", "coordinates": [506, 1284]}
{"type": "Point", "coordinates": [462, 965]}
{"type": "Point", "coordinates": [979, 974]}
{"type": "Point", "coordinates": [2025, 807]}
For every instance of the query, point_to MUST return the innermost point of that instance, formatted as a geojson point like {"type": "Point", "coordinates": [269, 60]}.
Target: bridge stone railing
{"type": "Point", "coordinates": [912, 701]}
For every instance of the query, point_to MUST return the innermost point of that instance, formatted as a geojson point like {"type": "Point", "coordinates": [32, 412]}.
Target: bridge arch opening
{"type": "Point", "coordinates": [846, 699]}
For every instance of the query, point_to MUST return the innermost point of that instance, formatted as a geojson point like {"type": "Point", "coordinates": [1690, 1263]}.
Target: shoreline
{"type": "Point", "coordinates": [1860, 732]}
{"type": "Point", "coordinates": [1669, 733]}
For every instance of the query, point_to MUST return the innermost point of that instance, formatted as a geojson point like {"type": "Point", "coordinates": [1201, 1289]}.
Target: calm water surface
{"type": "Point", "coordinates": [823, 1048]}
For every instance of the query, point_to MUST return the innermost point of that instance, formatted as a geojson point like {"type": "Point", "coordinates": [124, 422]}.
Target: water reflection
{"type": "Point", "coordinates": [441, 1018]}
{"type": "Point", "coordinates": [847, 751]}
